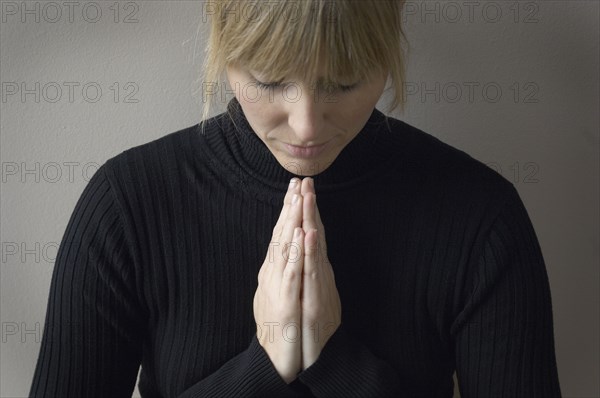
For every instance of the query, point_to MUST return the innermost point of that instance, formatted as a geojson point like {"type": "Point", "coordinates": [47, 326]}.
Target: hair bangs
{"type": "Point", "coordinates": [292, 39]}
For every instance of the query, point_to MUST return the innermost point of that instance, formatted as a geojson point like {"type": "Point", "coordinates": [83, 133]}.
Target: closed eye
{"type": "Point", "coordinates": [273, 85]}
{"type": "Point", "coordinates": [348, 88]}
{"type": "Point", "coordinates": [265, 86]}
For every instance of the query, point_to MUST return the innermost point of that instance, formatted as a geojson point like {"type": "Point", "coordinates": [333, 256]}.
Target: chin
{"type": "Point", "coordinates": [305, 167]}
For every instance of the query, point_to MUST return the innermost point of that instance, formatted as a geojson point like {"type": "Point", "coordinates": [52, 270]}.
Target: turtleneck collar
{"type": "Point", "coordinates": [237, 147]}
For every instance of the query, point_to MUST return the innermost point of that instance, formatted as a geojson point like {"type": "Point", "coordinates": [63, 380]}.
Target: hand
{"type": "Point", "coordinates": [321, 305]}
{"type": "Point", "coordinates": [277, 309]}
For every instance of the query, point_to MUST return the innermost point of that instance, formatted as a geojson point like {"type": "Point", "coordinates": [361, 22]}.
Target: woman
{"type": "Point", "coordinates": [411, 261]}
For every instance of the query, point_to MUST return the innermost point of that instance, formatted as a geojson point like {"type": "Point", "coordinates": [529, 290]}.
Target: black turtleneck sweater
{"type": "Point", "coordinates": [435, 258]}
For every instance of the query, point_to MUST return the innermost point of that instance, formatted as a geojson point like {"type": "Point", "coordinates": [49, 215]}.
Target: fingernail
{"type": "Point", "coordinates": [312, 183]}
{"type": "Point", "coordinates": [292, 183]}
{"type": "Point", "coordinates": [294, 198]}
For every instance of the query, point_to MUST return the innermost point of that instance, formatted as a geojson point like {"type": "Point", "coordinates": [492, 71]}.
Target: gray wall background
{"type": "Point", "coordinates": [512, 83]}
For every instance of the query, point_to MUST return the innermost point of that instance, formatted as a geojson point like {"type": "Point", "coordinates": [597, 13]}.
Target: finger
{"type": "Point", "coordinates": [326, 275]}
{"type": "Point", "coordinates": [312, 220]}
{"type": "Point", "coordinates": [309, 212]}
{"type": "Point", "coordinates": [311, 272]}
{"type": "Point", "coordinates": [294, 219]}
{"type": "Point", "coordinates": [291, 281]}
{"type": "Point", "coordinates": [307, 185]}
{"type": "Point", "coordinates": [322, 238]}
{"type": "Point", "coordinates": [293, 187]}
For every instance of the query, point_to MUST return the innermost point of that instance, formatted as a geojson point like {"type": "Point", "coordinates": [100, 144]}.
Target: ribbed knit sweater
{"type": "Point", "coordinates": [436, 262]}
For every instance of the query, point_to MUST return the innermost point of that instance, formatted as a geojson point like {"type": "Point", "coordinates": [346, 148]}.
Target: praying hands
{"type": "Point", "coordinates": [296, 289]}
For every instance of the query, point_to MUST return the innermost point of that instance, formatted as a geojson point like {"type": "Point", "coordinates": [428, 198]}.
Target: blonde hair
{"type": "Point", "coordinates": [285, 38]}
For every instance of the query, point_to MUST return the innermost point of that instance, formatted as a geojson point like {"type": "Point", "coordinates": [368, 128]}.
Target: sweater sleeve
{"type": "Point", "coordinates": [249, 374]}
{"type": "Point", "coordinates": [94, 330]}
{"type": "Point", "coordinates": [503, 335]}
{"type": "Point", "coordinates": [347, 368]}
{"type": "Point", "coordinates": [91, 343]}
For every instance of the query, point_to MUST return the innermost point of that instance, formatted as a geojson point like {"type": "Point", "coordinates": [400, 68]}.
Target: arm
{"type": "Point", "coordinates": [95, 325]}
{"type": "Point", "coordinates": [503, 334]}
{"type": "Point", "coordinates": [252, 372]}
{"type": "Point", "coordinates": [343, 366]}
{"type": "Point", "coordinates": [91, 343]}
{"type": "Point", "coordinates": [249, 374]}
{"type": "Point", "coordinates": [504, 341]}
{"type": "Point", "coordinates": [346, 367]}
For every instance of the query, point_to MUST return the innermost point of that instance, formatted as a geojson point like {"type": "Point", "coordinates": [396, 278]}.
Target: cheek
{"type": "Point", "coordinates": [360, 105]}
{"type": "Point", "coordinates": [357, 109]}
{"type": "Point", "coordinates": [262, 117]}
{"type": "Point", "coordinates": [365, 100]}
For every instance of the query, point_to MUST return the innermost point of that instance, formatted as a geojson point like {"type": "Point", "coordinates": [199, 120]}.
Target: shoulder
{"type": "Point", "coordinates": [446, 160]}
{"type": "Point", "coordinates": [441, 162]}
{"type": "Point", "coordinates": [445, 171]}
{"type": "Point", "coordinates": [152, 159]}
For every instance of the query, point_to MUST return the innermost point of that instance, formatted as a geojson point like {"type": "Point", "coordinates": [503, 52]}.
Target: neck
{"type": "Point", "coordinates": [242, 151]}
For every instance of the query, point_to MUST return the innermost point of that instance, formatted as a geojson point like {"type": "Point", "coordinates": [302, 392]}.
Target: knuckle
{"type": "Point", "coordinates": [290, 274]}
{"type": "Point", "coordinates": [314, 309]}
{"type": "Point", "coordinates": [312, 274]}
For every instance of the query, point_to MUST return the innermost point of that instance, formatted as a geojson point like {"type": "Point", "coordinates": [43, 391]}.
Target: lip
{"type": "Point", "coordinates": [306, 152]}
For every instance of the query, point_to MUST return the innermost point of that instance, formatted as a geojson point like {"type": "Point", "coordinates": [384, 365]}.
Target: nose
{"type": "Point", "coordinates": [306, 116]}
